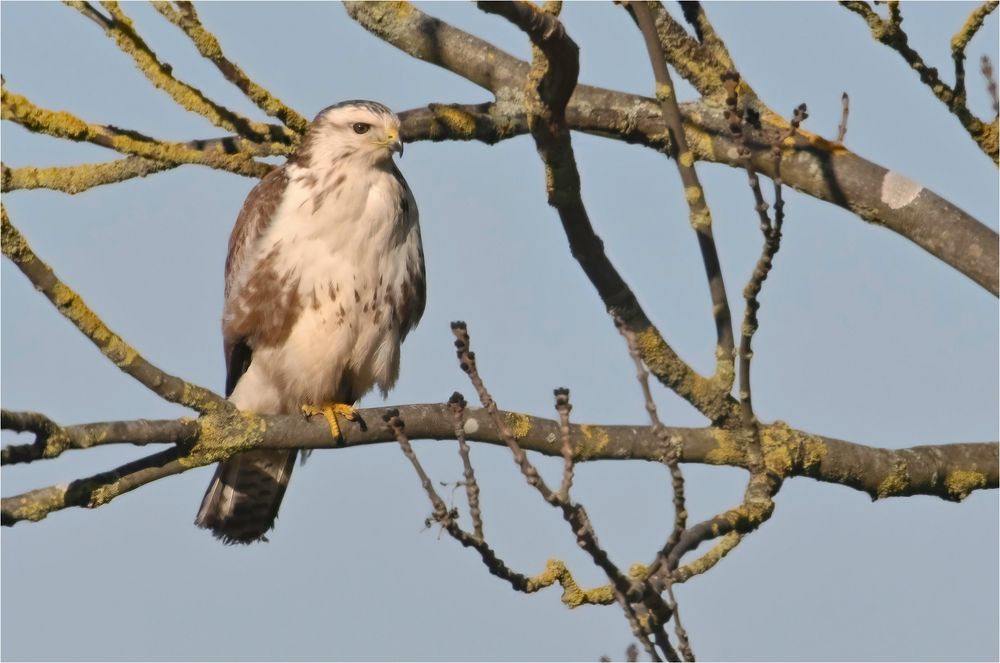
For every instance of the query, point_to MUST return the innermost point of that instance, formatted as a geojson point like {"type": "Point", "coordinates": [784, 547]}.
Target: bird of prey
{"type": "Point", "coordinates": [324, 278]}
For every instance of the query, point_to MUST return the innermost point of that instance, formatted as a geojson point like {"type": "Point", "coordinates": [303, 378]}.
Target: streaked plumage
{"type": "Point", "coordinates": [324, 278]}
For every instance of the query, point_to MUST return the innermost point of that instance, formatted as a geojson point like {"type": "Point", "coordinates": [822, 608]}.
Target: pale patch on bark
{"type": "Point", "coordinates": [898, 190]}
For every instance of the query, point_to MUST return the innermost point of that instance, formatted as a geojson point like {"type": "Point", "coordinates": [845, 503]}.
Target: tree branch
{"type": "Point", "coordinates": [75, 179]}
{"type": "Point", "coordinates": [208, 45]}
{"type": "Point", "coordinates": [819, 168]}
{"type": "Point", "coordinates": [699, 215]}
{"type": "Point", "coordinates": [890, 32]}
{"type": "Point", "coordinates": [61, 124]}
{"type": "Point", "coordinates": [120, 29]}
{"type": "Point", "coordinates": [948, 471]}
{"type": "Point", "coordinates": [111, 345]}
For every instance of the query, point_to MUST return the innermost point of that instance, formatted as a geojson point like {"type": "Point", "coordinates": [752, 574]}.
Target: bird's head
{"type": "Point", "coordinates": [364, 130]}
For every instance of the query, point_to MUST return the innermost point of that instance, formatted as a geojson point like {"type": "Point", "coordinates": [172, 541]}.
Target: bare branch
{"type": "Point", "coordinates": [457, 405]}
{"type": "Point", "coordinates": [120, 29]}
{"type": "Point", "coordinates": [845, 109]}
{"type": "Point", "coordinates": [948, 471]}
{"type": "Point", "coordinates": [890, 32]}
{"type": "Point", "coordinates": [61, 124]}
{"type": "Point", "coordinates": [550, 84]}
{"type": "Point", "coordinates": [699, 215]}
{"type": "Point", "coordinates": [574, 514]}
{"type": "Point", "coordinates": [555, 571]}
{"type": "Point", "coordinates": [112, 346]}
{"type": "Point", "coordinates": [51, 440]}
{"type": "Point", "coordinates": [820, 168]}
{"type": "Point", "coordinates": [564, 407]}
{"type": "Point", "coordinates": [75, 179]}
{"type": "Point", "coordinates": [991, 83]}
{"type": "Point", "coordinates": [93, 491]}
{"type": "Point", "coordinates": [960, 41]}
{"type": "Point", "coordinates": [208, 45]}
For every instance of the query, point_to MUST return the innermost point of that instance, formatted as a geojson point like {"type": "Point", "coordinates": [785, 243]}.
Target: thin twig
{"type": "Point", "coordinates": [563, 407]}
{"type": "Point", "coordinates": [845, 108]}
{"type": "Point", "coordinates": [574, 514]}
{"type": "Point", "coordinates": [890, 32]}
{"type": "Point", "coordinates": [991, 82]}
{"type": "Point", "coordinates": [457, 406]}
{"type": "Point", "coordinates": [960, 41]}
{"type": "Point", "coordinates": [555, 570]}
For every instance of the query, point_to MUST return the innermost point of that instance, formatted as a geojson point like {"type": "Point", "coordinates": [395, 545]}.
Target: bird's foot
{"type": "Point", "coordinates": [330, 411]}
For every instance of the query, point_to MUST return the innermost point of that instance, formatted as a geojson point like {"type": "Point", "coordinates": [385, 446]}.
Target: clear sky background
{"type": "Point", "coordinates": [863, 337]}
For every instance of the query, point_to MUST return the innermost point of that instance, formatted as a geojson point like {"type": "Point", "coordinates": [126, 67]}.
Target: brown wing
{"type": "Point", "coordinates": [413, 290]}
{"type": "Point", "coordinates": [252, 222]}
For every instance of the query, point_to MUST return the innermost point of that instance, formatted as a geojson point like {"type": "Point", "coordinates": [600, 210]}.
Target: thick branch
{"type": "Point", "coordinates": [816, 167]}
{"type": "Point", "coordinates": [948, 471]}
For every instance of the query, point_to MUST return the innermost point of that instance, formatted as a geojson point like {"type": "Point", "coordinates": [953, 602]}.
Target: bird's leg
{"type": "Point", "coordinates": [330, 411]}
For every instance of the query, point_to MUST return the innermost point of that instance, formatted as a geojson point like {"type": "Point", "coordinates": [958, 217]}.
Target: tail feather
{"type": "Point", "coordinates": [242, 501]}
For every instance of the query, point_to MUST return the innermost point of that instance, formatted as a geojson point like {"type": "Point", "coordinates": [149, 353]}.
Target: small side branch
{"type": "Point", "coordinates": [457, 406]}
{"type": "Point", "coordinates": [960, 41]}
{"type": "Point", "coordinates": [627, 593]}
{"type": "Point", "coordinates": [76, 179]}
{"type": "Point", "coordinates": [119, 28]}
{"type": "Point", "coordinates": [555, 571]}
{"type": "Point", "coordinates": [61, 124]}
{"type": "Point", "coordinates": [111, 345]}
{"type": "Point", "coordinates": [986, 66]}
{"type": "Point", "coordinates": [699, 214]}
{"type": "Point", "coordinates": [186, 18]}
{"type": "Point", "coordinates": [51, 440]}
{"type": "Point", "coordinates": [933, 223]}
{"type": "Point", "coordinates": [845, 109]}
{"type": "Point", "coordinates": [551, 81]}
{"type": "Point", "coordinates": [890, 32]}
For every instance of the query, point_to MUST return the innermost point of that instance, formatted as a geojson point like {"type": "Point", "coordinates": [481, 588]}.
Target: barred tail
{"type": "Point", "coordinates": [241, 504]}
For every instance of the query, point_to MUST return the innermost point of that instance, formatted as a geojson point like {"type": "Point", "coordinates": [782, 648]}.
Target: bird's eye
{"type": "Point", "coordinates": [361, 127]}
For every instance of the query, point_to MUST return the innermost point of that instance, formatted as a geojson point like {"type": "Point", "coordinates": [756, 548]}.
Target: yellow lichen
{"type": "Point", "coordinates": [894, 484]}
{"type": "Point", "coordinates": [222, 434]}
{"type": "Point", "coordinates": [962, 482]}
{"type": "Point", "coordinates": [664, 91]}
{"type": "Point", "coordinates": [519, 424]}
{"type": "Point", "coordinates": [595, 440]}
{"type": "Point", "coordinates": [727, 451]}
{"type": "Point", "coordinates": [814, 451]}
{"type": "Point", "coordinates": [686, 158]}
{"type": "Point", "coordinates": [700, 142]}
{"type": "Point", "coordinates": [573, 596]}
{"type": "Point", "coordinates": [778, 443]}
{"type": "Point", "coordinates": [709, 559]}
{"type": "Point", "coordinates": [457, 122]}
{"type": "Point", "coordinates": [701, 219]}
{"type": "Point", "coordinates": [692, 194]}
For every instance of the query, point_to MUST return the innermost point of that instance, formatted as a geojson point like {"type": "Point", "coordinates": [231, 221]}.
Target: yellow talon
{"type": "Point", "coordinates": [330, 411]}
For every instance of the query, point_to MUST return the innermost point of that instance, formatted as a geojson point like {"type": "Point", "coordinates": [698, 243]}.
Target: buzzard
{"type": "Point", "coordinates": [324, 278]}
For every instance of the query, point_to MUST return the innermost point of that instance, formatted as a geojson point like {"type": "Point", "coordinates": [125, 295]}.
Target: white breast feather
{"type": "Point", "coordinates": [351, 242]}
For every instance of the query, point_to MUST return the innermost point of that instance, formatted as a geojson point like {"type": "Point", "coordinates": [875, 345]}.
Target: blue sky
{"type": "Point", "coordinates": [863, 337]}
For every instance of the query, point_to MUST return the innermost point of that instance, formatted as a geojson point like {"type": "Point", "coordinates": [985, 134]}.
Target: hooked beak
{"type": "Point", "coordinates": [394, 144]}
